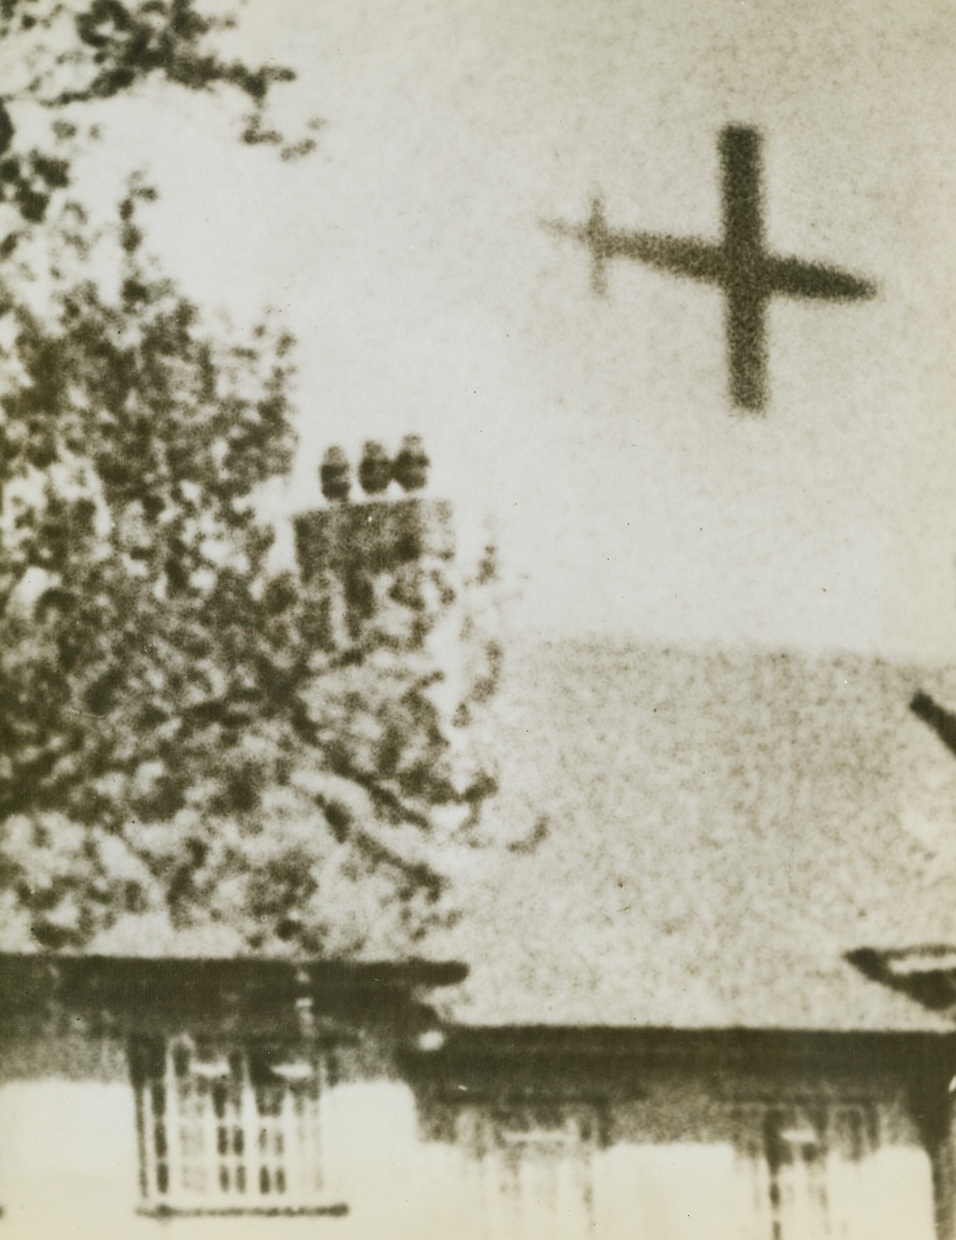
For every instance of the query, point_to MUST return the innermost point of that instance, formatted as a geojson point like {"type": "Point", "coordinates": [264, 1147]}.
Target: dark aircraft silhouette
{"type": "Point", "coordinates": [740, 264]}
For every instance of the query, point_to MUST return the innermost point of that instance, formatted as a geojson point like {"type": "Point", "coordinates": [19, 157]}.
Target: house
{"type": "Point", "coordinates": [224, 1095]}
{"type": "Point", "coordinates": [669, 1010]}
{"type": "Point", "coordinates": [667, 979]}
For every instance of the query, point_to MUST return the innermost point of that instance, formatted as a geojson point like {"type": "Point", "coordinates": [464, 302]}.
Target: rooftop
{"type": "Point", "coordinates": [698, 838]}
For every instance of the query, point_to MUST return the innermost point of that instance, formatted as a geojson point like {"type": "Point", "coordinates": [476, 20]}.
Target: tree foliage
{"type": "Point", "coordinates": [62, 54]}
{"type": "Point", "coordinates": [187, 755]}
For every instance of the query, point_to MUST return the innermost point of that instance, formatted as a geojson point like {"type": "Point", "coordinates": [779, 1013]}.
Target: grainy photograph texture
{"type": "Point", "coordinates": [477, 619]}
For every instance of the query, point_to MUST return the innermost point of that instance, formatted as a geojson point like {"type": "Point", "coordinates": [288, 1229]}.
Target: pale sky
{"type": "Point", "coordinates": [407, 256]}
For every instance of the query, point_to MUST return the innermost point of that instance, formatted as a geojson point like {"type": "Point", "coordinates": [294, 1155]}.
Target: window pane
{"type": "Point", "coordinates": [228, 1127]}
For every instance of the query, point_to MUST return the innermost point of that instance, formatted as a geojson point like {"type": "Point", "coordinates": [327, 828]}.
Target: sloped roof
{"type": "Point", "coordinates": [698, 838]}
{"type": "Point", "coordinates": [715, 830]}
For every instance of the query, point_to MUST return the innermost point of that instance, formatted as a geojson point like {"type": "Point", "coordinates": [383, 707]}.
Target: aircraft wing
{"type": "Point", "coordinates": [794, 278]}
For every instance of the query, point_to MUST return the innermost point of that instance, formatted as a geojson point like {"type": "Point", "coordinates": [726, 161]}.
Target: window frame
{"type": "Point", "coordinates": [497, 1132]}
{"type": "Point", "coordinates": [243, 1118]}
{"type": "Point", "coordinates": [793, 1145]}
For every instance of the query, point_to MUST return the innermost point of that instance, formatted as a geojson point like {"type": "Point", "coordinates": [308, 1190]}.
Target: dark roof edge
{"type": "Point", "coordinates": [647, 1045]}
{"type": "Point", "coordinates": [926, 972]}
{"type": "Point", "coordinates": [26, 976]}
{"type": "Point", "coordinates": [546, 1034]}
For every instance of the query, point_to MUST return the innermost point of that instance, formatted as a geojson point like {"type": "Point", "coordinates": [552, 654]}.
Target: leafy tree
{"type": "Point", "coordinates": [63, 54]}
{"type": "Point", "coordinates": [189, 758]}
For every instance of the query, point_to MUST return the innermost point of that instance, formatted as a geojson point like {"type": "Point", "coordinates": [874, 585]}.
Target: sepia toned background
{"type": "Point", "coordinates": [594, 440]}
{"type": "Point", "coordinates": [408, 257]}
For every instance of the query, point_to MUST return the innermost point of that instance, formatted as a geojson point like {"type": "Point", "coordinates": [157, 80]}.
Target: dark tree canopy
{"type": "Point", "coordinates": [96, 49]}
{"type": "Point", "coordinates": [88, 51]}
{"type": "Point", "coordinates": [184, 757]}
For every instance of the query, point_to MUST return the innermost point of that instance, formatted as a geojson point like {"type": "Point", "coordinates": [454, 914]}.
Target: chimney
{"type": "Point", "coordinates": [345, 545]}
{"type": "Point", "coordinates": [400, 660]}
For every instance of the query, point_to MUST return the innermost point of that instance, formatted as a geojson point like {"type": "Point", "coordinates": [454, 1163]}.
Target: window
{"type": "Point", "coordinates": [531, 1165]}
{"type": "Point", "coordinates": [230, 1128]}
{"type": "Point", "coordinates": [806, 1166]}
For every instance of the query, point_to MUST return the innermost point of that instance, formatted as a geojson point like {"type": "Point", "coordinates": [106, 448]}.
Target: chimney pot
{"type": "Point", "coordinates": [411, 464]}
{"type": "Point", "coordinates": [375, 468]}
{"type": "Point", "coordinates": [335, 475]}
